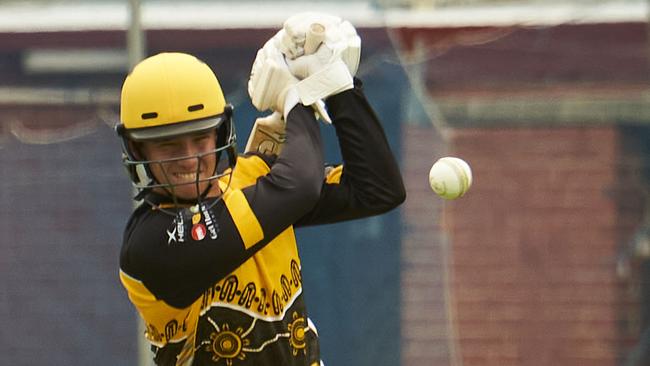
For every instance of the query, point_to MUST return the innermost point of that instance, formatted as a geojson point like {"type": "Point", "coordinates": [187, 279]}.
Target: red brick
{"type": "Point", "coordinates": [532, 246]}
{"type": "Point", "coordinates": [435, 332]}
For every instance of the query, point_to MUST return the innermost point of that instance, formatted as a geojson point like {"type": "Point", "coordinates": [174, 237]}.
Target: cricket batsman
{"type": "Point", "coordinates": [209, 258]}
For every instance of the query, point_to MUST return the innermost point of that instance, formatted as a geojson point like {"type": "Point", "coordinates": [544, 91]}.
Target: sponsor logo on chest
{"type": "Point", "coordinates": [209, 222]}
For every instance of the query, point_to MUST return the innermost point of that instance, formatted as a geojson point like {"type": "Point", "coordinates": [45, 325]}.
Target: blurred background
{"type": "Point", "coordinates": [546, 260]}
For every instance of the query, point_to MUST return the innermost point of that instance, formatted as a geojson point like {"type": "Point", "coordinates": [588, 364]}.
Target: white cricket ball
{"type": "Point", "coordinates": [450, 177]}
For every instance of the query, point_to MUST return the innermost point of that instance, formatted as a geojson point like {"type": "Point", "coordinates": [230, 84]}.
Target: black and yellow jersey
{"type": "Point", "coordinates": [220, 283]}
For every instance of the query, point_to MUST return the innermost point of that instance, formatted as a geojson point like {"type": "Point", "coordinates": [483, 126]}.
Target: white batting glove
{"type": "Point", "coordinates": [271, 85]}
{"type": "Point", "coordinates": [323, 51]}
{"type": "Point", "coordinates": [268, 135]}
{"type": "Point", "coordinates": [300, 37]}
{"type": "Point", "coordinates": [305, 32]}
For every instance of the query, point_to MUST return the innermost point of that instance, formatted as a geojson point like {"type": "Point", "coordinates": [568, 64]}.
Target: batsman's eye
{"type": "Point", "coordinates": [164, 144]}
{"type": "Point", "coordinates": [202, 138]}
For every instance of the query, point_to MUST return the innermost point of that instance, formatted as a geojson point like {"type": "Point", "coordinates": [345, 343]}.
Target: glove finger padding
{"type": "Point", "coordinates": [306, 65]}
{"type": "Point", "coordinates": [270, 78]}
{"type": "Point", "coordinates": [301, 38]}
{"type": "Point", "coordinates": [320, 50]}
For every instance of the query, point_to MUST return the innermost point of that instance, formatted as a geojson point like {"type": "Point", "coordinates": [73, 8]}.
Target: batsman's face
{"type": "Point", "coordinates": [192, 155]}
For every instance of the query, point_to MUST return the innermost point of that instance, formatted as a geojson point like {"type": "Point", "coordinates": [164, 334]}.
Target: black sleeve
{"type": "Point", "coordinates": [178, 272]}
{"type": "Point", "coordinates": [371, 182]}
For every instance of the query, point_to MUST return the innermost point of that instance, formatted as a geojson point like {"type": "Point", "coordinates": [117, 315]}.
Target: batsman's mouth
{"type": "Point", "coordinates": [186, 177]}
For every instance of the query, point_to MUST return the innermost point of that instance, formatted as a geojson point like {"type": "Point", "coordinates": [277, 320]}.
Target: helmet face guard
{"type": "Point", "coordinates": [225, 152]}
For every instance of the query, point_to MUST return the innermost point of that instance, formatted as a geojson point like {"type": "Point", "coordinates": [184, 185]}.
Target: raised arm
{"type": "Point", "coordinates": [369, 181]}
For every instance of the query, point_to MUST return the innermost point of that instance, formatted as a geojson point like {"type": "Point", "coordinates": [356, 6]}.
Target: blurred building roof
{"type": "Point", "coordinates": [36, 16]}
{"type": "Point", "coordinates": [518, 61]}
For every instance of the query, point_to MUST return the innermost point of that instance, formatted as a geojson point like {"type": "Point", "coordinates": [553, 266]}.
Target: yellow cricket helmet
{"type": "Point", "coordinates": [168, 95]}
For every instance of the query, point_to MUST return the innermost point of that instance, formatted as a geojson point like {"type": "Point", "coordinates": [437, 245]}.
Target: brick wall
{"type": "Point", "coordinates": [533, 250]}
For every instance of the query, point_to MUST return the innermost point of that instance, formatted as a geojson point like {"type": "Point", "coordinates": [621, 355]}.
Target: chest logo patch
{"type": "Point", "coordinates": [198, 232]}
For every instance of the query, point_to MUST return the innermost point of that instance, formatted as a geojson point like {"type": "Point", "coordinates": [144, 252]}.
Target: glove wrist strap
{"type": "Point", "coordinates": [332, 79]}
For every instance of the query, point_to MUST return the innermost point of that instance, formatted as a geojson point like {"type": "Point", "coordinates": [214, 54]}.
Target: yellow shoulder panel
{"type": "Point", "coordinates": [247, 224]}
{"type": "Point", "coordinates": [247, 170]}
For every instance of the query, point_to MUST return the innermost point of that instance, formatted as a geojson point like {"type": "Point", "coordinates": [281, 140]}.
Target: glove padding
{"type": "Point", "coordinates": [323, 51]}
{"type": "Point", "coordinates": [272, 86]}
{"type": "Point", "coordinates": [270, 80]}
{"type": "Point", "coordinates": [311, 47]}
{"type": "Point", "coordinates": [268, 135]}
{"type": "Point", "coordinates": [326, 36]}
